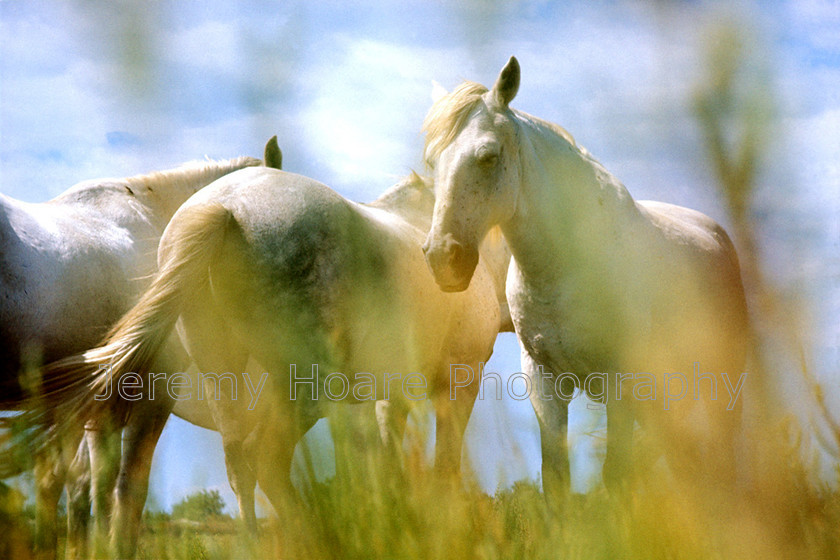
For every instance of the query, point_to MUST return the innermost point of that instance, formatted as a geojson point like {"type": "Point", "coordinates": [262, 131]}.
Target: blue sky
{"type": "Point", "coordinates": [91, 89]}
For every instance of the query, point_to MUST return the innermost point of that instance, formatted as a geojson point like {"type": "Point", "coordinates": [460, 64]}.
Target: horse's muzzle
{"type": "Point", "coordinates": [452, 263]}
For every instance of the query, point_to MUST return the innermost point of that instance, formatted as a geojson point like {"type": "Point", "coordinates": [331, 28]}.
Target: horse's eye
{"type": "Point", "coordinates": [487, 157]}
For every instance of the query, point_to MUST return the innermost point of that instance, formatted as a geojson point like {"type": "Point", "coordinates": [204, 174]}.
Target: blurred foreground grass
{"type": "Point", "coordinates": [423, 519]}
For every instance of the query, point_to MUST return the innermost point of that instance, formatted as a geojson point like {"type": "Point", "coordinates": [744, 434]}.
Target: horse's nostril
{"type": "Point", "coordinates": [425, 247]}
{"type": "Point", "coordinates": [456, 251]}
{"type": "Point", "coordinates": [452, 263]}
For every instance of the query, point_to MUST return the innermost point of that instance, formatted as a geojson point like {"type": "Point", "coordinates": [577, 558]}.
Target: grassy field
{"type": "Point", "coordinates": [417, 516]}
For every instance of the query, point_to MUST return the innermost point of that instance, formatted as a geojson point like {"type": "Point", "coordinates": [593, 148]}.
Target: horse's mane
{"type": "Point", "coordinates": [449, 115]}
{"type": "Point", "coordinates": [190, 173]}
{"type": "Point", "coordinates": [553, 127]}
{"type": "Point", "coordinates": [198, 171]}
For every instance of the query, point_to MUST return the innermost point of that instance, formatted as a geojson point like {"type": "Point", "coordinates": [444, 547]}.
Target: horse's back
{"type": "Point", "coordinates": [700, 299]}
{"type": "Point", "coordinates": [688, 226]}
{"type": "Point", "coordinates": [696, 240]}
{"type": "Point", "coordinates": [64, 277]}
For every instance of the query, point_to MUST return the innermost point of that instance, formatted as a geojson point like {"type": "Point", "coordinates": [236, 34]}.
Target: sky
{"type": "Point", "coordinates": [91, 89]}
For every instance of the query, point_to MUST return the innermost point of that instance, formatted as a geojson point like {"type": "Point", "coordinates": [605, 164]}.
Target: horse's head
{"type": "Point", "coordinates": [471, 144]}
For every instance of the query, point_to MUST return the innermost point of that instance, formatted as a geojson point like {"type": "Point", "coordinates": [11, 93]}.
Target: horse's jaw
{"type": "Point", "coordinates": [454, 287]}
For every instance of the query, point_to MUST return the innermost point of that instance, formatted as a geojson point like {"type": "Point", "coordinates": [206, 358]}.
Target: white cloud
{"type": "Point", "coordinates": [210, 45]}
{"type": "Point", "coordinates": [363, 110]}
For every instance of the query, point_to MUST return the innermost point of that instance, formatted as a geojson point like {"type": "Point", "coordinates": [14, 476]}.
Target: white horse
{"type": "Point", "coordinates": [598, 283]}
{"type": "Point", "coordinates": [69, 269]}
{"type": "Point", "coordinates": [276, 267]}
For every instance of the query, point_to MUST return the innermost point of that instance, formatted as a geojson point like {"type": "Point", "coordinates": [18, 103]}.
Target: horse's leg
{"type": "Point", "coordinates": [451, 423]}
{"type": "Point", "coordinates": [227, 415]}
{"type": "Point", "coordinates": [215, 350]}
{"type": "Point", "coordinates": [276, 436]}
{"type": "Point", "coordinates": [140, 437]}
{"type": "Point", "coordinates": [553, 419]}
{"type": "Point", "coordinates": [618, 466]}
{"type": "Point", "coordinates": [392, 416]}
{"type": "Point", "coordinates": [78, 502]}
{"type": "Point", "coordinates": [240, 474]}
{"type": "Point", "coordinates": [274, 463]}
{"type": "Point", "coordinates": [272, 447]}
{"type": "Point", "coordinates": [283, 422]}
{"type": "Point", "coordinates": [49, 482]}
{"type": "Point", "coordinates": [104, 447]}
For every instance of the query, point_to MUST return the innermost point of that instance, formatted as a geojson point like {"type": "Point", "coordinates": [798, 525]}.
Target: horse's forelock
{"type": "Point", "coordinates": [447, 117]}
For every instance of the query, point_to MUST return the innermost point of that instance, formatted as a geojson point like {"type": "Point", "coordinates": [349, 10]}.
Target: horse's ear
{"type": "Point", "coordinates": [273, 156]}
{"type": "Point", "coordinates": [507, 84]}
{"type": "Point", "coordinates": [438, 91]}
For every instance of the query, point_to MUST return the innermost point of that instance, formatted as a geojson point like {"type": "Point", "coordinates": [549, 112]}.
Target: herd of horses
{"type": "Point", "coordinates": [225, 266]}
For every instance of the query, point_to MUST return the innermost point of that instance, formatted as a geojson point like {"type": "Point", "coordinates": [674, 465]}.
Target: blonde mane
{"type": "Point", "coordinates": [447, 117]}
{"type": "Point", "coordinates": [190, 173]}
{"type": "Point", "coordinates": [553, 127]}
{"type": "Point", "coordinates": [188, 176]}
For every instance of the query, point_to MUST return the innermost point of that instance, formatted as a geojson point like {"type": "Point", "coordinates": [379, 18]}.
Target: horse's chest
{"type": "Point", "coordinates": [556, 348]}
{"type": "Point", "coordinates": [567, 329]}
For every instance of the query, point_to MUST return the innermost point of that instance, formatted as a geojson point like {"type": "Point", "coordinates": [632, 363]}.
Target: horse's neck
{"type": "Point", "coordinates": [164, 192]}
{"type": "Point", "coordinates": [412, 199]}
{"type": "Point", "coordinates": [418, 218]}
{"type": "Point", "coordinates": [570, 211]}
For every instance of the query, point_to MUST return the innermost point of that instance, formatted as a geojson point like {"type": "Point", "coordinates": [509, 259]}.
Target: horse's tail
{"type": "Point", "coordinates": [15, 458]}
{"type": "Point", "coordinates": [10, 464]}
{"type": "Point", "coordinates": [83, 385]}
{"type": "Point", "coordinates": [13, 462]}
